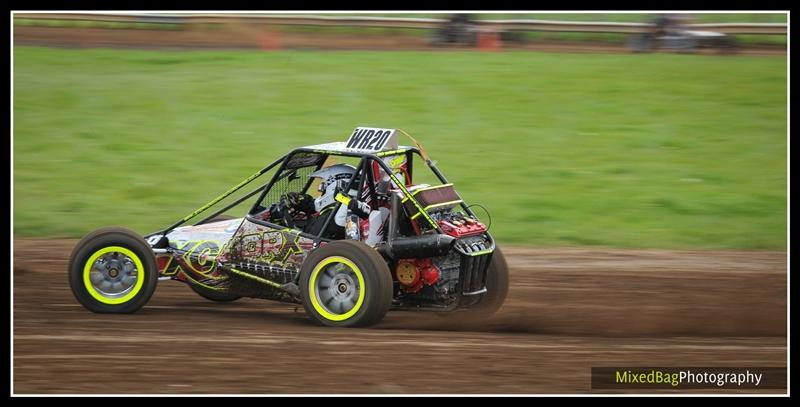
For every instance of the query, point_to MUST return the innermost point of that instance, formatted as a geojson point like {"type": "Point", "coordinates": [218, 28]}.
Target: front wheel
{"type": "Point", "coordinates": [346, 283]}
{"type": "Point", "coordinates": [113, 270]}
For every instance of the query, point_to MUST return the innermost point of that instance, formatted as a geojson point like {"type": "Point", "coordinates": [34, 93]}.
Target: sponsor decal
{"type": "Point", "coordinates": [197, 256]}
{"type": "Point", "coordinates": [272, 254]}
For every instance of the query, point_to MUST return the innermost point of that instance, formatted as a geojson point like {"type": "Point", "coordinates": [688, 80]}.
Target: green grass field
{"type": "Point", "coordinates": [666, 151]}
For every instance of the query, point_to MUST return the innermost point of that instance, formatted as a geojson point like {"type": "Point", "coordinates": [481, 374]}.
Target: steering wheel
{"type": "Point", "coordinates": [283, 207]}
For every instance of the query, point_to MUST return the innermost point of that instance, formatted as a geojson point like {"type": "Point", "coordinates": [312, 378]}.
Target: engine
{"type": "Point", "coordinates": [413, 274]}
{"type": "Point", "coordinates": [459, 225]}
{"type": "Point", "coordinates": [428, 282]}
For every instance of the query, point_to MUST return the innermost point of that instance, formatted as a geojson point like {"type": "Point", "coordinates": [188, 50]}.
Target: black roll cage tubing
{"type": "Point", "coordinates": [362, 167]}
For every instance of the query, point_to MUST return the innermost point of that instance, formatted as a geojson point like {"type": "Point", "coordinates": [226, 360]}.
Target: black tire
{"type": "Point", "coordinates": [496, 287]}
{"type": "Point", "coordinates": [212, 294]}
{"type": "Point", "coordinates": [377, 284]}
{"type": "Point", "coordinates": [131, 248]}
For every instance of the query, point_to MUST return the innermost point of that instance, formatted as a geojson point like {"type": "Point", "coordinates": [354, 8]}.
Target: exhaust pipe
{"type": "Point", "coordinates": [418, 247]}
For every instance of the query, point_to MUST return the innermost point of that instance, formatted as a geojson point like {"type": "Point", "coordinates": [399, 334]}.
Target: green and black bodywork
{"type": "Point", "coordinates": [434, 253]}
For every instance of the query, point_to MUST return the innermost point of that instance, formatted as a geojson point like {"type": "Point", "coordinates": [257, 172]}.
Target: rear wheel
{"type": "Point", "coordinates": [346, 283]}
{"type": "Point", "coordinates": [113, 270]}
{"type": "Point", "coordinates": [496, 287]}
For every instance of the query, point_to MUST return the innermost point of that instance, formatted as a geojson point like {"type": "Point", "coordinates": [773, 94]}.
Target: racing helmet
{"type": "Point", "coordinates": [331, 177]}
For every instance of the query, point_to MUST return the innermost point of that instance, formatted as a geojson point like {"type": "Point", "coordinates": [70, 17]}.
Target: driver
{"type": "Point", "coordinates": [310, 214]}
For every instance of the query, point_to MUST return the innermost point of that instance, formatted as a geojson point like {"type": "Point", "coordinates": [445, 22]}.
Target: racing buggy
{"type": "Point", "coordinates": [372, 240]}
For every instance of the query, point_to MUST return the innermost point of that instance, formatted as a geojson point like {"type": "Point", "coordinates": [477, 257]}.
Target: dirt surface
{"type": "Point", "coordinates": [567, 310]}
{"type": "Point", "coordinates": [244, 36]}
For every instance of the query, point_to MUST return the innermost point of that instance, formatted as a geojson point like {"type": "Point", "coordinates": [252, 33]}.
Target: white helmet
{"type": "Point", "coordinates": [329, 179]}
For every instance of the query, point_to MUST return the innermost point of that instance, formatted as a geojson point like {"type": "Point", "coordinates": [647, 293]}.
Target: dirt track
{"type": "Point", "coordinates": [568, 310]}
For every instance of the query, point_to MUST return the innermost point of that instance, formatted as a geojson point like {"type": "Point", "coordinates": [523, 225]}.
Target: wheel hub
{"type": "Point", "coordinates": [342, 288]}
{"type": "Point", "coordinates": [337, 288]}
{"type": "Point", "coordinates": [113, 275]}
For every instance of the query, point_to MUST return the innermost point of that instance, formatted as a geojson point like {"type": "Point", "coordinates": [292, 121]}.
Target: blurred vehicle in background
{"type": "Point", "coordinates": [670, 32]}
{"type": "Point", "coordinates": [459, 29]}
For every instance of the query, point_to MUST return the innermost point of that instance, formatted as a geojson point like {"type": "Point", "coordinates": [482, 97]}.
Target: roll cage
{"type": "Point", "coordinates": [315, 157]}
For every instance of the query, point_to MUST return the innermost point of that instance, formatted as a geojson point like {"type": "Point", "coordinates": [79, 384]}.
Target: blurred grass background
{"type": "Point", "coordinates": [658, 150]}
{"type": "Point", "coordinates": [529, 36]}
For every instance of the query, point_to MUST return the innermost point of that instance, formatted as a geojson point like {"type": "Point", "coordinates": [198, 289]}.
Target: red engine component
{"type": "Point", "coordinates": [413, 274]}
{"type": "Point", "coordinates": [461, 228]}
{"type": "Point", "coordinates": [430, 273]}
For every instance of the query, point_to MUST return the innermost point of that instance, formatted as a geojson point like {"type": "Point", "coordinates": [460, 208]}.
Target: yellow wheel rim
{"type": "Point", "coordinates": [332, 289]}
{"type": "Point", "coordinates": [106, 268]}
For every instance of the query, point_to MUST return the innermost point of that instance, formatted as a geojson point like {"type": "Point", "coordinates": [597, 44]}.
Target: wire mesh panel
{"type": "Point", "coordinates": [290, 180]}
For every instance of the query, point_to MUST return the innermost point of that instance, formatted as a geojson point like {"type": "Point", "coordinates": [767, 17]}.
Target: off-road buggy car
{"type": "Point", "coordinates": [405, 245]}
